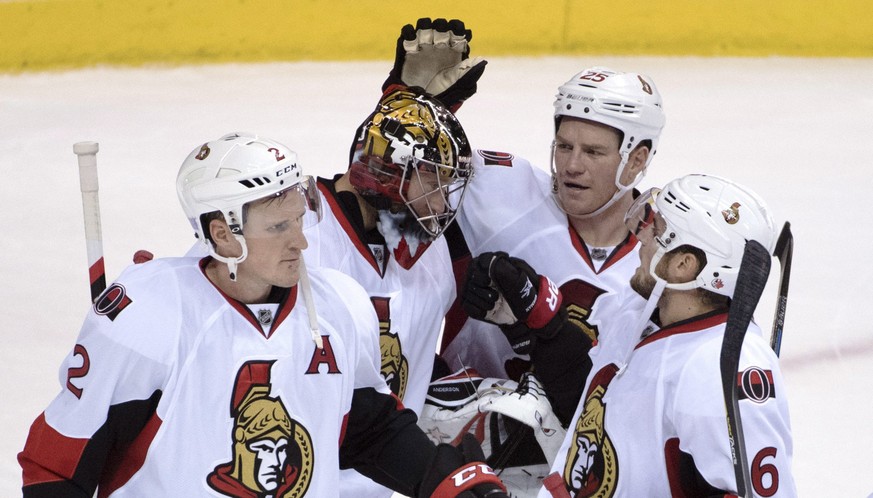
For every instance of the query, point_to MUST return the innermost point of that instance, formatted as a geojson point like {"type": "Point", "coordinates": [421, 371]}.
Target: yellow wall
{"type": "Point", "coordinates": [48, 34]}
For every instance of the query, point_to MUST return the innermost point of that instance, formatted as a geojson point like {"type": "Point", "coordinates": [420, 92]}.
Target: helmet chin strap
{"type": "Point", "coordinates": [233, 262]}
{"type": "Point", "coordinates": [645, 316]}
{"type": "Point", "coordinates": [691, 284]}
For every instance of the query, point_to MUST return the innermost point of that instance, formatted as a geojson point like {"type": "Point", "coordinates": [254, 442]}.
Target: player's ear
{"type": "Point", "coordinates": [222, 237]}
{"type": "Point", "coordinates": [636, 162]}
{"type": "Point", "coordinates": [684, 266]}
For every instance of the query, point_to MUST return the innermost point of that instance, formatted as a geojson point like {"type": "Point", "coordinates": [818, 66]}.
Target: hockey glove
{"type": "Point", "coordinates": [506, 291]}
{"type": "Point", "coordinates": [480, 297]}
{"type": "Point", "coordinates": [533, 298]}
{"type": "Point", "coordinates": [434, 55]}
{"type": "Point", "coordinates": [461, 472]}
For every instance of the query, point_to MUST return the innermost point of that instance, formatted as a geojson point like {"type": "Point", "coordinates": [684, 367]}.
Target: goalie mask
{"type": "Point", "coordinates": [224, 175]}
{"type": "Point", "coordinates": [627, 102]}
{"type": "Point", "coordinates": [712, 214]}
{"type": "Point", "coordinates": [411, 160]}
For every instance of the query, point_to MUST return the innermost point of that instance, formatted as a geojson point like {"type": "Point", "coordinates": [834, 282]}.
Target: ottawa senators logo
{"type": "Point", "coordinates": [272, 453]}
{"type": "Point", "coordinates": [646, 86]}
{"type": "Point", "coordinates": [591, 469]}
{"type": "Point", "coordinates": [204, 152]}
{"type": "Point", "coordinates": [112, 301]}
{"type": "Point", "coordinates": [732, 214]}
{"type": "Point", "coordinates": [493, 158]}
{"type": "Point", "coordinates": [395, 367]}
{"type": "Point", "coordinates": [756, 384]}
{"type": "Point", "coordinates": [579, 298]}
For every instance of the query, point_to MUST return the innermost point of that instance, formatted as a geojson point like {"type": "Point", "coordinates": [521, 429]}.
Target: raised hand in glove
{"type": "Point", "coordinates": [461, 473]}
{"type": "Point", "coordinates": [434, 55]}
{"type": "Point", "coordinates": [506, 291]}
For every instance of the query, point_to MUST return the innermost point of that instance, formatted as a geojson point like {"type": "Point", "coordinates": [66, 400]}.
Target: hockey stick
{"type": "Point", "coordinates": [87, 155]}
{"type": "Point", "coordinates": [784, 250]}
{"type": "Point", "coordinates": [752, 278]}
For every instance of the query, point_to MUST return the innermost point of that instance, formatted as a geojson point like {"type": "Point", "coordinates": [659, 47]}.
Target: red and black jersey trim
{"type": "Point", "coordinates": [286, 297]}
{"type": "Point", "coordinates": [620, 251]}
{"type": "Point", "coordinates": [56, 465]}
{"type": "Point", "coordinates": [695, 324]}
{"type": "Point", "coordinates": [685, 479]}
{"type": "Point", "coordinates": [351, 224]}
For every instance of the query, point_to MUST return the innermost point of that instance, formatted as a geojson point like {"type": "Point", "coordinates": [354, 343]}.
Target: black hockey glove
{"type": "Point", "coordinates": [506, 291]}
{"type": "Point", "coordinates": [434, 55]}
{"type": "Point", "coordinates": [479, 296]}
{"type": "Point", "coordinates": [460, 473]}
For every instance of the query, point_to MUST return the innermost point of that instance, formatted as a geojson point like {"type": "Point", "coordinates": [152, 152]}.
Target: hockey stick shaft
{"type": "Point", "coordinates": [783, 252]}
{"type": "Point", "coordinates": [87, 156]}
{"type": "Point", "coordinates": [752, 278]}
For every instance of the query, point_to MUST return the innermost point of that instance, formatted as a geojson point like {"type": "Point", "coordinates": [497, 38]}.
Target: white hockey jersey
{"type": "Point", "coordinates": [657, 427]}
{"type": "Point", "coordinates": [174, 389]}
{"type": "Point", "coordinates": [410, 304]}
{"type": "Point", "coordinates": [509, 207]}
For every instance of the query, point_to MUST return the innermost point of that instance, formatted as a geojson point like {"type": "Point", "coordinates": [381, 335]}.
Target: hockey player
{"type": "Point", "coordinates": [383, 221]}
{"type": "Point", "coordinates": [237, 374]}
{"type": "Point", "coordinates": [652, 418]}
{"type": "Point", "coordinates": [384, 217]}
{"type": "Point", "coordinates": [569, 225]}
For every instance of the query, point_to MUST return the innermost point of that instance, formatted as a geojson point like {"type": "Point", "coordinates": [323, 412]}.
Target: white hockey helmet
{"type": "Point", "coordinates": [712, 214]}
{"type": "Point", "coordinates": [627, 102]}
{"type": "Point", "coordinates": [225, 174]}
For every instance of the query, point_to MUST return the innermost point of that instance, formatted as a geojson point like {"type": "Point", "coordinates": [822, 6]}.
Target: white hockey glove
{"type": "Point", "coordinates": [529, 405]}
{"type": "Point", "coordinates": [465, 403]}
{"type": "Point", "coordinates": [434, 55]}
{"type": "Point", "coordinates": [451, 407]}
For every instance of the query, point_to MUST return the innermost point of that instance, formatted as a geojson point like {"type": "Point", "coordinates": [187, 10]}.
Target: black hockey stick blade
{"type": "Point", "coordinates": [784, 250]}
{"type": "Point", "coordinates": [752, 278]}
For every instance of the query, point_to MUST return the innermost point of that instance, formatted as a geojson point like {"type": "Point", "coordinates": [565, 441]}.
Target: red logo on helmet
{"type": "Point", "coordinates": [204, 151]}
{"type": "Point", "coordinates": [275, 151]}
{"type": "Point", "coordinates": [717, 283]}
{"type": "Point", "coordinates": [646, 86]}
{"type": "Point", "coordinates": [732, 214]}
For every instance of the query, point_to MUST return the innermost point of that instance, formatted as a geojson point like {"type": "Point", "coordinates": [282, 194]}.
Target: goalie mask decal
{"type": "Point", "coordinates": [272, 453]}
{"type": "Point", "coordinates": [591, 469]}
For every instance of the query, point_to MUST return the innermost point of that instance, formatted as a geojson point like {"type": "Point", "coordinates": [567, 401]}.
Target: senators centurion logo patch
{"type": "Point", "coordinates": [112, 301]}
{"type": "Point", "coordinates": [273, 454]}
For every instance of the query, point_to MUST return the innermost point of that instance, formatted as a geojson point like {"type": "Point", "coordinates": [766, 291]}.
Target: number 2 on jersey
{"type": "Point", "coordinates": [78, 372]}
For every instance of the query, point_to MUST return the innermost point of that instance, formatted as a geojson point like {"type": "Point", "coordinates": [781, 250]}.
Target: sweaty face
{"type": "Point", "coordinates": [586, 159]}
{"type": "Point", "coordinates": [274, 236]}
